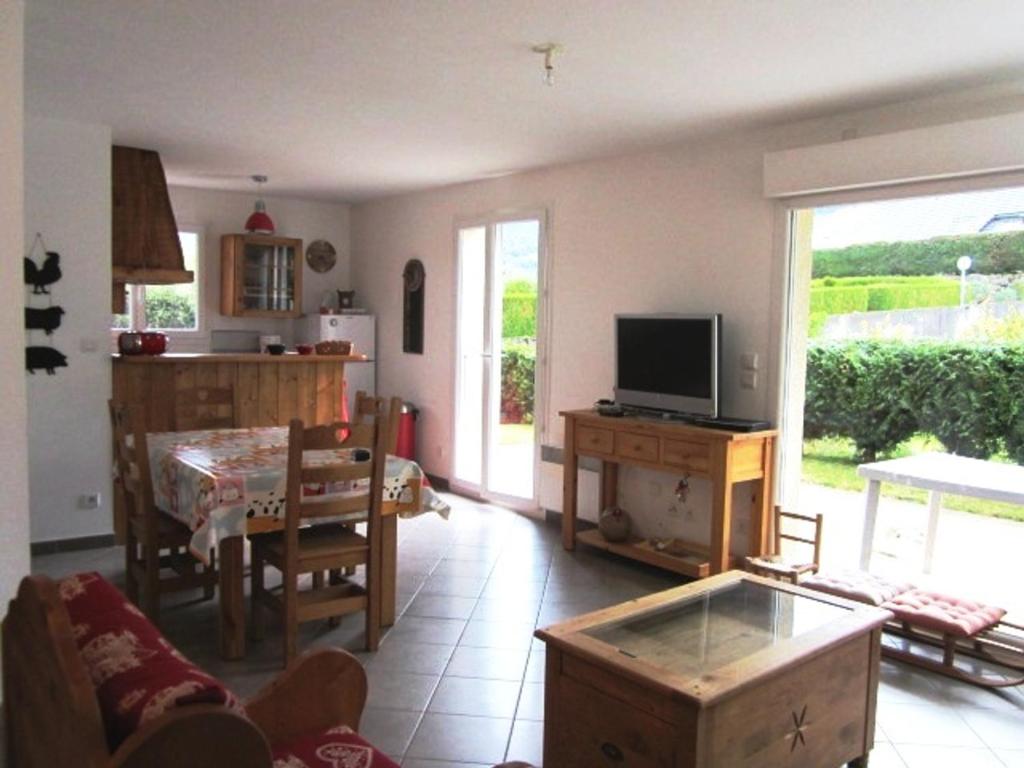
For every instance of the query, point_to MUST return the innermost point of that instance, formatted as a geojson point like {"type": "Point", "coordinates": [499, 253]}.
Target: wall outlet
{"type": "Point", "coordinates": [89, 501]}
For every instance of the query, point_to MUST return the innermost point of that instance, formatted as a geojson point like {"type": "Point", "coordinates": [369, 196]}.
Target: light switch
{"type": "Point", "coordinates": [748, 380]}
{"type": "Point", "coordinates": [749, 361]}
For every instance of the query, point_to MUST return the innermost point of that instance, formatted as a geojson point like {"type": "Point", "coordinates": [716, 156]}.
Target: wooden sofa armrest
{"type": "Point", "coordinates": [199, 736]}
{"type": "Point", "coordinates": [321, 689]}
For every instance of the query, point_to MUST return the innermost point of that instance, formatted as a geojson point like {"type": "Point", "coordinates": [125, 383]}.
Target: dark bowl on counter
{"type": "Point", "coordinates": [305, 349]}
{"type": "Point", "coordinates": [276, 349]}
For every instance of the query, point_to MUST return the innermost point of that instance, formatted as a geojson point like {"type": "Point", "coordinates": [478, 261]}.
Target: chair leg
{"type": "Point", "coordinates": [291, 618]}
{"type": "Point", "coordinates": [259, 622]}
{"type": "Point", "coordinates": [151, 598]}
{"type": "Point", "coordinates": [210, 572]}
{"type": "Point", "coordinates": [131, 583]}
{"type": "Point", "coordinates": [318, 580]}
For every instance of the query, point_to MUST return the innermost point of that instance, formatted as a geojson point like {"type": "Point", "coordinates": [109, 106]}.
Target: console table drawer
{"type": "Point", "coordinates": [590, 439]}
{"type": "Point", "coordinates": [686, 455]}
{"type": "Point", "coordinates": [630, 446]}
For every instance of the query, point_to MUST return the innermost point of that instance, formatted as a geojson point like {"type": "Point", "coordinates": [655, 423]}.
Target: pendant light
{"type": "Point", "coordinates": [259, 222]}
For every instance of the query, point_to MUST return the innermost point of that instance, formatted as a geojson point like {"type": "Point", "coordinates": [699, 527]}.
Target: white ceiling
{"type": "Point", "coordinates": [348, 100]}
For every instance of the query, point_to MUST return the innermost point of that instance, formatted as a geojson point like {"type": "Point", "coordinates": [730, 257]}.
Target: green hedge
{"type": "Point", "coordinates": [518, 366]}
{"type": "Point", "coordinates": [992, 254]}
{"type": "Point", "coordinates": [880, 393]}
{"type": "Point", "coordinates": [841, 296]}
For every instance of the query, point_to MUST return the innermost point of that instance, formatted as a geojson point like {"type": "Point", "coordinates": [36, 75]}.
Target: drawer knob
{"type": "Point", "coordinates": [612, 752]}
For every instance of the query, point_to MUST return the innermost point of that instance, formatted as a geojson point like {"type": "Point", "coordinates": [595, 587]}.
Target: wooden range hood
{"type": "Point", "coordinates": [145, 243]}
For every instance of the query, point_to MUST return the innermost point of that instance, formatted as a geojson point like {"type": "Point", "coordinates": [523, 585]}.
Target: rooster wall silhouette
{"type": "Point", "coordinates": [48, 274]}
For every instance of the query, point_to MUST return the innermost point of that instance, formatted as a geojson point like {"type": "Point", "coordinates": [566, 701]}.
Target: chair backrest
{"type": "Point", "coordinates": [131, 454]}
{"type": "Point", "coordinates": [51, 713]}
{"type": "Point", "coordinates": [368, 473]}
{"type": "Point", "coordinates": [367, 407]}
{"type": "Point", "coordinates": [803, 529]}
{"type": "Point", "coordinates": [204, 408]}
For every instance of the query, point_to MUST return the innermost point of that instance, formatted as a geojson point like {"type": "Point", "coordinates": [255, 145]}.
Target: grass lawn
{"type": "Point", "coordinates": [515, 434]}
{"type": "Point", "coordinates": [830, 462]}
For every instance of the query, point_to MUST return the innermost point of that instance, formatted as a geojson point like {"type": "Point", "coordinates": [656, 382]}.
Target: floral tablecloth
{"type": "Point", "coordinates": [229, 482]}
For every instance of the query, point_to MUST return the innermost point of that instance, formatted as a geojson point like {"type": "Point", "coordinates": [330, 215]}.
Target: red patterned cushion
{"type": "Point", "coordinates": [339, 747]}
{"type": "Point", "coordinates": [949, 615]}
{"type": "Point", "coordinates": [857, 585]}
{"type": "Point", "coordinates": [137, 673]}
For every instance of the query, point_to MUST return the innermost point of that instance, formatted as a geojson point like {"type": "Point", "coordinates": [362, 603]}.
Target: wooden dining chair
{"type": "Point", "coordinates": [785, 566]}
{"type": "Point", "coordinates": [204, 408]}
{"type": "Point", "coordinates": [157, 558]}
{"type": "Point", "coordinates": [366, 407]}
{"type": "Point", "coordinates": [305, 548]}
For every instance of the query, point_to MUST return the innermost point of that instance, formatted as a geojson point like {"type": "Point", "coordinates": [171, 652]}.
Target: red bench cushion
{"type": "Point", "coordinates": [949, 615]}
{"type": "Point", "coordinates": [339, 747]}
{"type": "Point", "coordinates": [137, 673]}
{"type": "Point", "coordinates": [857, 585]}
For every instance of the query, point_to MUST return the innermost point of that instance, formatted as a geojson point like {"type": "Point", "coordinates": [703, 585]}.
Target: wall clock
{"type": "Point", "coordinates": [321, 256]}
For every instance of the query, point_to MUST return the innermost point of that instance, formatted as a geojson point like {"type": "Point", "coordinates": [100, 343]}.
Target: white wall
{"type": "Point", "coordinates": [67, 200]}
{"type": "Point", "coordinates": [14, 496]}
{"type": "Point", "coordinates": [219, 213]}
{"type": "Point", "coordinates": [685, 228]}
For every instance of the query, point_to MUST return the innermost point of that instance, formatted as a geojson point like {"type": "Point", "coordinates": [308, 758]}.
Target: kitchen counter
{"type": "Point", "coordinates": [236, 357]}
{"type": "Point", "coordinates": [267, 391]}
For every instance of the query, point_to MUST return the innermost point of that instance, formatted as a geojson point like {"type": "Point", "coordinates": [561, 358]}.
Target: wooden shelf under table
{"type": "Point", "coordinates": [695, 563]}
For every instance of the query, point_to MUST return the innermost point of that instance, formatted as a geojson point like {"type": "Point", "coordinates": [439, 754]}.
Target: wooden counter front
{"type": "Point", "coordinates": [269, 390]}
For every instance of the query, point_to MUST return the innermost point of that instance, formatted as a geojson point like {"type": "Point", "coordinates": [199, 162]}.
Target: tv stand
{"type": "Point", "coordinates": [724, 457]}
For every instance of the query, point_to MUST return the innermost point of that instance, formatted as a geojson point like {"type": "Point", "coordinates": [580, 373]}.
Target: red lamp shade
{"type": "Point", "coordinates": [258, 221]}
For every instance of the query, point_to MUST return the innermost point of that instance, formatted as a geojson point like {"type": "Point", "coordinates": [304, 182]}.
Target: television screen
{"type": "Point", "coordinates": [668, 362]}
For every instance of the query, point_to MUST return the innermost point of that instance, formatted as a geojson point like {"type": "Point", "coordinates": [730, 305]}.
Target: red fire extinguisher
{"type": "Point", "coordinates": [407, 432]}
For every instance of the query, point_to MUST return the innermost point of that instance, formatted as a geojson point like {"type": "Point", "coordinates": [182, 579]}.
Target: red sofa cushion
{"type": "Point", "coordinates": [949, 615]}
{"type": "Point", "coordinates": [137, 673]}
{"type": "Point", "coordinates": [338, 747]}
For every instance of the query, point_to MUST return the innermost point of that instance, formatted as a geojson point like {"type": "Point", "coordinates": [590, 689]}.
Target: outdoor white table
{"type": "Point", "coordinates": [937, 473]}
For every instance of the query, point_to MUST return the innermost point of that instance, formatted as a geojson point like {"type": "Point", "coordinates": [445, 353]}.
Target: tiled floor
{"type": "Point", "coordinates": [458, 681]}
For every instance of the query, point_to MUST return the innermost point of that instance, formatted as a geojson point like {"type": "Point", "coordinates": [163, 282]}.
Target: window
{"type": "Point", "coordinates": [166, 307]}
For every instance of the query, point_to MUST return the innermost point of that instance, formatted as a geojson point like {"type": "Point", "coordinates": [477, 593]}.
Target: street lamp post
{"type": "Point", "coordinates": [963, 264]}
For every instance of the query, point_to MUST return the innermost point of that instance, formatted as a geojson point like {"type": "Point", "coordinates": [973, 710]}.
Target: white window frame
{"type": "Point", "coordinates": [137, 296]}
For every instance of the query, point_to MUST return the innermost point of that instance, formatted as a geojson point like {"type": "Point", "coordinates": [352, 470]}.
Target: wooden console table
{"type": "Point", "coordinates": [724, 457]}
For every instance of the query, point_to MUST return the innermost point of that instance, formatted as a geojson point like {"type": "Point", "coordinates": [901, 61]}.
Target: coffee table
{"type": "Point", "coordinates": [734, 670]}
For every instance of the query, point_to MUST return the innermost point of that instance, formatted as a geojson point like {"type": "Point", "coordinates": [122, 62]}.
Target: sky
{"type": "Point", "coordinates": [916, 218]}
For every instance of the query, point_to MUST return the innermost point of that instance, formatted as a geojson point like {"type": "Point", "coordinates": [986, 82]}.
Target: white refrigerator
{"type": "Point", "coordinates": [361, 331]}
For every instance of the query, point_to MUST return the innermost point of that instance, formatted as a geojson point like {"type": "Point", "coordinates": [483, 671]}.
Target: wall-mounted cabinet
{"type": "Point", "coordinates": [260, 276]}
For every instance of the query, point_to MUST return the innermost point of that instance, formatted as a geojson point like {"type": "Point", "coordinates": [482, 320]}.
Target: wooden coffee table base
{"type": "Point", "coordinates": [806, 702]}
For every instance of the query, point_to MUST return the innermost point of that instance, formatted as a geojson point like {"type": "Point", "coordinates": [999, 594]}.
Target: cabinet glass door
{"type": "Point", "coordinates": [268, 277]}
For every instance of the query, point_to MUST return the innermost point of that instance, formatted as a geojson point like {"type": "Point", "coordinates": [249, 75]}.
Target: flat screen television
{"type": "Point", "coordinates": [668, 362]}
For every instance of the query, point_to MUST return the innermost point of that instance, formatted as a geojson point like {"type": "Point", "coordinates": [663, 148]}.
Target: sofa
{"type": "Point", "coordinates": [88, 681]}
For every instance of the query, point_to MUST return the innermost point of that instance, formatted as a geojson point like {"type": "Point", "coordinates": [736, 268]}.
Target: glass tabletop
{"type": "Point", "coordinates": [708, 631]}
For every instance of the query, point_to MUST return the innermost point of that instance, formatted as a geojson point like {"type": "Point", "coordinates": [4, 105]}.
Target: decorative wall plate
{"type": "Point", "coordinates": [321, 256]}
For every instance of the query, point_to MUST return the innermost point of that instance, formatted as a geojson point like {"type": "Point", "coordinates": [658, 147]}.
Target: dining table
{"type": "Point", "coordinates": [226, 484]}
